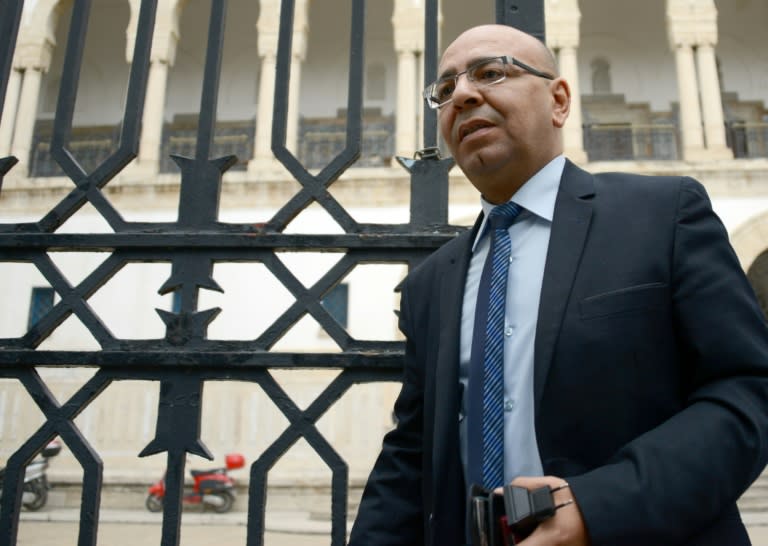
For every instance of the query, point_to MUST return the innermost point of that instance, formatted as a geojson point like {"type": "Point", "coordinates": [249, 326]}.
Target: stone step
{"type": "Point", "coordinates": [755, 494]}
{"type": "Point", "coordinates": [755, 499]}
{"type": "Point", "coordinates": [753, 507]}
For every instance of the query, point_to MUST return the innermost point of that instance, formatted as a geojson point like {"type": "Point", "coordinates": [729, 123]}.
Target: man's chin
{"type": "Point", "coordinates": [479, 165]}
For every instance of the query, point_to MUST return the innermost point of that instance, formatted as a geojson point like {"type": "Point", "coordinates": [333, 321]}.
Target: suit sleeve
{"type": "Point", "coordinates": [675, 479]}
{"type": "Point", "coordinates": [391, 510]}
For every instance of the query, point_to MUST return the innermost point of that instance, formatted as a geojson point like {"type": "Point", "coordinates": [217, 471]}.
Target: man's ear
{"type": "Point", "coordinates": [561, 101]}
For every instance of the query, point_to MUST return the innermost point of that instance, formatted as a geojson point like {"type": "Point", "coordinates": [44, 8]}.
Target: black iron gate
{"type": "Point", "coordinates": [185, 359]}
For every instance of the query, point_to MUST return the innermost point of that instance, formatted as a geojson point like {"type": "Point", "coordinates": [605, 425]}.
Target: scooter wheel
{"type": "Point", "coordinates": [226, 506]}
{"type": "Point", "coordinates": [41, 496]}
{"type": "Point", "coordinates": [154, 503]}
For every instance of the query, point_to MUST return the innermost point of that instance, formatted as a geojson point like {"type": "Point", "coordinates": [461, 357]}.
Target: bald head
{"type": "Point", "coordinates": [521, 44]}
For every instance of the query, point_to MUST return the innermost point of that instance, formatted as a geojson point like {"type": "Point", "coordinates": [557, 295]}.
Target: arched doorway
{"type": "Point", "coordinates": [758, 278]}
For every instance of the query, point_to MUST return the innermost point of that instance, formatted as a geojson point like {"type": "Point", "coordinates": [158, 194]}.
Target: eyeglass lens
{"type": "Point", "coordinates": [485, 72]}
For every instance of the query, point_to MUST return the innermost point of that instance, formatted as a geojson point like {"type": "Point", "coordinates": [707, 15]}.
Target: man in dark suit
{"type": "Point", "coordinates": [635, 357]}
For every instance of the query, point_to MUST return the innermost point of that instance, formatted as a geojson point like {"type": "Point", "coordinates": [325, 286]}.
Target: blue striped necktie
{"type": "Point", "coordinates": [489, 320]}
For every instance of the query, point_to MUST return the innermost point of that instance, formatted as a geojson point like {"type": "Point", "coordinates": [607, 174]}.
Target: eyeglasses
{"type": "Point", "coordinates": [482, 73]}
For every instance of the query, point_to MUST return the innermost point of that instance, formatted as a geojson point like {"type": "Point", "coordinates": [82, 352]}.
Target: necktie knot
{"type": "Point", "coordinates": [502, 216]}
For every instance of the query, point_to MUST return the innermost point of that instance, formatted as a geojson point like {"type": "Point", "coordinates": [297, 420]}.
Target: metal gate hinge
{"type": "Point", "coordinates": [433, 152]}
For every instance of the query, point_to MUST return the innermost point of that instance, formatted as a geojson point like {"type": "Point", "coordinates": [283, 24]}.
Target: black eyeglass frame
{"type": "Point", "coordinates": [428, 93]}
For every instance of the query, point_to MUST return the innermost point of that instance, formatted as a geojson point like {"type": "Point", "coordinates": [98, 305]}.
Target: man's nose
{"type": "Point", "coordinates": [466, 93]}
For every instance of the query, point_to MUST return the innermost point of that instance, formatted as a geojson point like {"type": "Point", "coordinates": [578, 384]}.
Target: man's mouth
{"type": "Point", "coordinates": [472, 126]}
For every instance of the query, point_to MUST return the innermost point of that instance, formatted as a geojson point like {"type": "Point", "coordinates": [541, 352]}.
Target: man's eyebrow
{"type": "Point", "coordinates": [448, 72]}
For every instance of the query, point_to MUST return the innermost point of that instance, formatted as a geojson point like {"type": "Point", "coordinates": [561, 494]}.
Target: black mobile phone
{"type": "Point", "coordinates": [508, 518]}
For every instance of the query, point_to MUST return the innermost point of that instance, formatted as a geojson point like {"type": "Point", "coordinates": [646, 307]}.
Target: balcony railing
{"type": "Point", "coordinates": [748, 140]}
{"type": "Point", "coordinates": [614, 142]}
{"type": "Point", "coordinates": [320, 140]}
{"type": "Point", "coordinates": [230, 138]}
{"type": "Point", "coordinates": [89, 145]}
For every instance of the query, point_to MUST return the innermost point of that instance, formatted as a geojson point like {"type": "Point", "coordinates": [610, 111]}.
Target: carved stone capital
{"type": "Point", "coordinates": [166, 34]}
{"type": "Point", "coordinates": [34, 55]}
{"type": "Point", "coordinates": [562, 20]}
{"type": "Point", "coordinates": [691, 23]}
{"type": "Point", "coordinates": [408, 26]}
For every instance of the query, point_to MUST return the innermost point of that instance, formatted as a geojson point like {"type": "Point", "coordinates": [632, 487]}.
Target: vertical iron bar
{"type": "Point", "coordinates": [355, 83]}
{"type": "Point", "coordinates": [282, 76]}
{"type": "Point", "coordinates": [431, 39]}
{"type": "Point", "coordinates": [526, 15]}
{"type": "Point", "coordinates": [174, 493]}
{"type": "Point", "coordinates": [138, 78]}
{"type": "Point", "coordinates": [10, 19]}
{"type": "Point", "coordinates": [211, 76]}
{"type": "Point", "coordinates": [70, 79]}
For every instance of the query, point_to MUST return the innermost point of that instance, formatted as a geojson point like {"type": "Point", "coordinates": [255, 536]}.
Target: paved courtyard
{"type": "Point", "coordinates": [142, 534]}
{"type": "Point", "coordinates": [132, 528]}
{"type": "Point", "coordinates": [59, 527]}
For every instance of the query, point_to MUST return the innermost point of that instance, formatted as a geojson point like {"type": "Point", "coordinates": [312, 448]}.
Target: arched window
{"type": "Point", "coordinates": [601, 77]}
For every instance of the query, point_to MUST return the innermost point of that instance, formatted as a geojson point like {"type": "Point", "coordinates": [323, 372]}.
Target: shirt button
{"type": "Point", "coordinates": [512, 259]}
{"type": "Point", "coordinates": [509, 330]}
{"type": "Point", "coordinates": [509, 405]}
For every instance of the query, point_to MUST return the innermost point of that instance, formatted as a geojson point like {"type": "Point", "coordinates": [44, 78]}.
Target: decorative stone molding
{"type": "Point", "coordinates": [691, 22]}
{"type": "Point", "coordinates": [562, 20]}
{"type": "Point", "coordinates": [37, 37]}
{"type": "Point", "coordinates": [268, 27]}
{"type": "Point", "coordinates": [166, 34]}
{"type": "Point", "coordinates": [34, 51]}
{"type": "Point", "coordinates": [300, 30]}
{"type": "Point", "coordinates": [408, 25]}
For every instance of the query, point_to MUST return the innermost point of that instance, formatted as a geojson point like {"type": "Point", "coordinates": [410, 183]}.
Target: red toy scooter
{"type": "Point", "coordinates": [214, 488]}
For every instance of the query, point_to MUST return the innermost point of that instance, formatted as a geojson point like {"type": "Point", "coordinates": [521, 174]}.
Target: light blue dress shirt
{"type": "Point", "coordinates": [530, 240]}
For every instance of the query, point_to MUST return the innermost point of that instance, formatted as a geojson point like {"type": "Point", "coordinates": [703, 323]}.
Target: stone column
{"type": "Point", "coordinates": [573, 134]}
{"type": "Point", "coordinates": [267, 28]}
{"type": "Point", "coordinates": [262, 152]}
{"type": "Point", "coordinates": [692, 27]}
{"type": "Point", "coordinates": [162, 57]}
{"type": "Point", "coordinates": [34, 57]}
{"type": "Point", "coordinates": [9, 112]}
{"type": "Point", "coordinates": [690, 111]}
{"type": "Point", "coordinates": [406, 122]}
{"type": "Point", "coordinates": [26, 116]}
{"type": "Point", "coordinates": [298, 55]}
{"type": "Point", "coordinates": [562, 20]}
{"type": "Point", "coordinates": [420, 83]}
{"type": "Point", "coordinates": [408, 26]}
{"type": "Point", "coordinates": [712, 104]}
{"type": "Point", "coordinates": [153, 118]}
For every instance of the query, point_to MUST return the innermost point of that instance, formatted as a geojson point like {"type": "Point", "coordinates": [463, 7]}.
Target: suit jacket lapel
{"type": "Point", "coordinates": [572, 216]}
{"type": "Point", "coordinates": [447, 395]}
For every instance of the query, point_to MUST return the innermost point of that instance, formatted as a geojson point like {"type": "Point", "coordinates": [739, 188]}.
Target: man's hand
{"type": "Point", "coordinates": [566, 527]}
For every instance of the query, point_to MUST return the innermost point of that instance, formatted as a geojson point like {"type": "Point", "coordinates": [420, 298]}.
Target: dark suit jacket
{"type": "Point", "coordinates": [651, 375]}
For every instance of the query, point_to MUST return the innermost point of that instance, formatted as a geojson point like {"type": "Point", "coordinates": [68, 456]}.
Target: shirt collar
{"type": "Point", "coordinates": [536, 197]}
